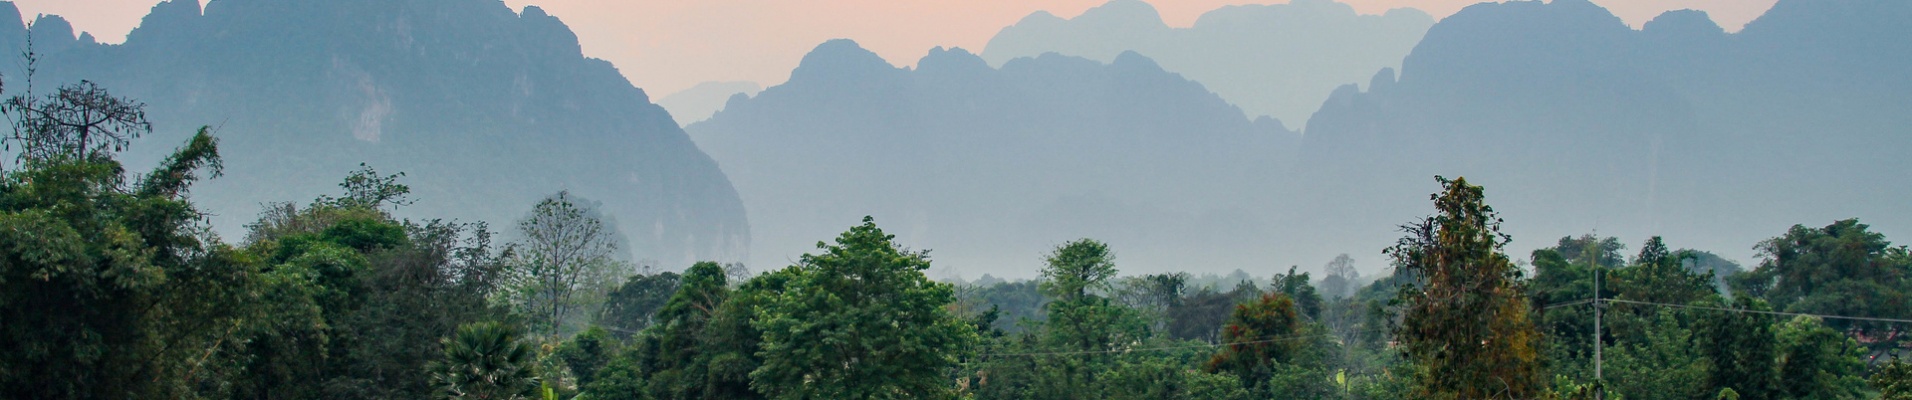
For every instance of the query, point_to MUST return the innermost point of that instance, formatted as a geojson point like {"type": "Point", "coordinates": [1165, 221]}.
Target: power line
{"type": "Point", "coordinates": [1566, 304]}
{"type": "Point", "coordinates": [1738, 310]}
{"type": "Point", "coordinates": [1143, 349]}
{"type": "Point", "coordinates": [1790, 314]}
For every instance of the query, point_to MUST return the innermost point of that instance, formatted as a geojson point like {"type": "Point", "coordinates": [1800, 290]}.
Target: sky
{"type": "Point", "coordinates": [665, 46]}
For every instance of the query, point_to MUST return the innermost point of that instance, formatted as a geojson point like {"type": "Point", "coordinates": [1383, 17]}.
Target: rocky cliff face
{"type": "Point", "coordinates": [485, 109]}
{"type": "Point", "coordinates": [1279, 60]}
{"type": "Point", "coordinates": [1575, 122]}
{"type": "Point", "coordinates": [990, 166]}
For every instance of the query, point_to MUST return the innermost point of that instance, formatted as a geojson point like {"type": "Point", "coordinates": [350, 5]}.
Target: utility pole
{"type": "Point", "coordinates": [1600, 389]}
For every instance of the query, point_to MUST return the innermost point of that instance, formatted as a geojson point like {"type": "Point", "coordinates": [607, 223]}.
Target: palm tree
{"type": "Point", "coordinates": [485, 361]}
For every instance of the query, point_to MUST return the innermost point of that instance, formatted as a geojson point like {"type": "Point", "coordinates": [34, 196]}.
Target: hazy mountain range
{"type": "Point", "coordinates": [1575, 122]}
{"type": "Point", "coordinates": [485, 109]}
{"type": "Point", "coordinates": [698, 102]}
{"type": "Point", "coordinates": [1278, 60]}
{"type": "Point", "coordinates": [990, 167]}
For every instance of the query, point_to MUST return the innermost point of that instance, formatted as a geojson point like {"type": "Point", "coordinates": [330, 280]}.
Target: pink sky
{"type": "Point", "coordinates": [668, 45]}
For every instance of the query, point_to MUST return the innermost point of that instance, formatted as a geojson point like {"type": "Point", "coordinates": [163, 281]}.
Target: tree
{"type": "Point", "coordinates": [115, 289]}
{"type": "Point", "coordinates": [1265, 337]}
{"type": "Point", "coordinates": [1298, 286]}
{"type": "Point", "coordinates": [1077, 318]}
{"type": "Point", "coordinates": [1465, 324]}
{"type": "Point", "coordinates": [485, 361]}
{"type": "Point", "coordinates": [629, 308]}
{"type": "Point", "coordinates": [360, 300]}
{"type": "Point", "coordinates": [1153, 295]}
{"type": "Point", "coordinates": [1076, 268]}
{"type": "Point", "coordinates": [587, 353]}
{"type": "Point", "coordinates": [671, 354]}
{"type": "Point", "coordinates": [1840, 269]}
{"type": "Point", "coordinates": [80, 121]}
{"type": "Point", "coordinates": [1741, 346]}
{"type": "Point", "coordinates": [1081, 320]}
{"type": "Point", "coordinates": [1341, 277]}
{"type": "Point", "coordinates": [861, 321]}
{"type": "Point", "coordinates": [1817, 362]}
{"type": "Point", "coordinates": [1664, 362]}
{"type": "Point", "coordinates": [1893, 381]}
{"type": "Point", "coordinates": [733, 344]}
{"type": "Point", "coordinates": [567, 249]}
{"type": "Point", "coordinates": [1592, 250]}
{"type": "Point", "coordinates": [366, 188]}
{"type": "Point", "coordinates": [1660, 276]}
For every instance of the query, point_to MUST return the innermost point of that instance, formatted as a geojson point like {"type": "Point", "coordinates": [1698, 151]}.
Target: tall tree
{"type": "Point", "coordinates": [1341, 277]}
{"type": "Point", "coordinates": [79, 120]}
{"type": "Point", "coordinates": [1081, 319]}
{"type": "Point", "coordinates": [1465, 324]}
{"type": "Point", "coordinates": [1077, 268]}
{"type": "Point", "coordinates": [567, 249]}
{"type": "Point", "coordinates": [861, 321]}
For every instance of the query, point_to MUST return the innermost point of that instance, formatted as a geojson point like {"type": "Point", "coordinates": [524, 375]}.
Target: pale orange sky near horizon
{"type": "Point", "coordinates": [665, 46]}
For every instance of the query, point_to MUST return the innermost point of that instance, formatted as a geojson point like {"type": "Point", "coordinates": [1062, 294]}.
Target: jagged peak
{"type": "Point", "coordinates": [1123, 13]}
{"type": "Point", "coordinates": [51, 30]}
{"type": "Point", "coordinates": [166, 16]}
{"type": "Point", "coordinates": [1684, 23]}
{"type": "Point", "coordinates": [1407, 13]}
{"type": "Point", "coordinates": [10, 22]}
{"type": "Point", "coordinates": [951, 59]}
{"type": "Point", "coordinates": [1129, 59]}
{"type": "Point", "coordinates": [1038, 18]}
{"type": "Point", "coordinates": [1523, 22]}
{"type": "Point", "coordinates": [553, 29]}
{"type": "Point", "coordinates": [838, 59]}
{"type": "Point", "coordinates": [1382, 80]}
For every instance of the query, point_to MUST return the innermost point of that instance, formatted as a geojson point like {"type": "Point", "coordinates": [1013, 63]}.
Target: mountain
{"type": "Point", "coordinates": [990, 167]}
{"type": "Point", "coordinates": [1575, 122]}
{"type": "Point", "coordinates": [1280, 60]}
{"type": "Point", "coordinates": [485, 110]}
{"type": "Point", "coordinates": [700, 101]}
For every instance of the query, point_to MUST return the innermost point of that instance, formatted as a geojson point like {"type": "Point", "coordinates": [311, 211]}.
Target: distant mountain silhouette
{"type": "Point", "coordinates": [699, 102]}
{"type": "Point", "coordinates": [991, 166]}
{"type": "Point", "coordinates": [486, 110]}
{"type": "Point", "coordinates": [1279, 60]}
{"type": "Point", "coordinates": [1575, 122]}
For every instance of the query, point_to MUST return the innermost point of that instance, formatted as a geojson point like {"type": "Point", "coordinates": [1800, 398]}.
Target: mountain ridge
{"type": "Point", "coordinates": [486, 109]}
{"type": "Point", "coordinates": [1277, 60]}
{"type": "Point", "coordinates": [961, 157]}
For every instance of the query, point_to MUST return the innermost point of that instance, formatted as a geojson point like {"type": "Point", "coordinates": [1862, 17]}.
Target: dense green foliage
{"type": "Point", "coordinates": [1466, 324]}
{"type": "Point", "coordinates": [1893, 381]}
{"type": "Point", "coordinates": [859, 320]}
{"type": "Point", "coordinates": [485, 361]}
